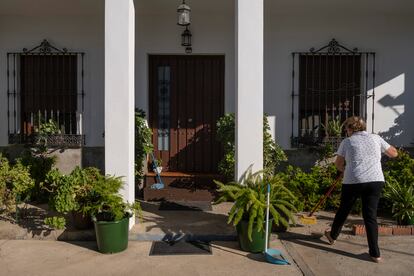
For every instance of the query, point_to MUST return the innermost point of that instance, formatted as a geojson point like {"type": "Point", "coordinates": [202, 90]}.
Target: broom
{"type": "Point", "coordinates": [311, 219]}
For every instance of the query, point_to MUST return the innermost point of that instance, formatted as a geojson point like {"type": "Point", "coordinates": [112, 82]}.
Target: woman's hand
{"type": "Point", "coordinates": [391, 152]}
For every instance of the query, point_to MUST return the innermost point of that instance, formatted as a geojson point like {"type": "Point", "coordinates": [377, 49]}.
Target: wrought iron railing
{"type": "Point", "coordinates": [45, 96]}
{"type": "Point", "coordinates": [329, 84]}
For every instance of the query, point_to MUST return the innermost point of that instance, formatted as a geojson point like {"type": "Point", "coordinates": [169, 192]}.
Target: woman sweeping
{"type": "Point", "coordinates": [359, 157]}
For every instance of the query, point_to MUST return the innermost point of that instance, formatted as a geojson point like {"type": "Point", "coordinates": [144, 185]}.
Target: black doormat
{"type": "Point", "coordinates": [162, 248]}
{"type": "Point", "coordinates": [185, 206]}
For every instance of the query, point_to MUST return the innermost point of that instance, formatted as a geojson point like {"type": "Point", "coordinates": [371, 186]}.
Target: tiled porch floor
{"type": "Point", "coordinates": [159, 225]}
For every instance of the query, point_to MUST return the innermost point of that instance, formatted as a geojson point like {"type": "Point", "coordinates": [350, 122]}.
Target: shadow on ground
{"type": "Point", "coordinates": [30, 225]}
{"type": "Point", "coordinates": [315, 241]}
{"type": "Point", "coordinates": [174, 225]}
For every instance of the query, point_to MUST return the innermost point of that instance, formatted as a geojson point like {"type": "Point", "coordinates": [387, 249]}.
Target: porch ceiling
{"type": "Point", "coordinates": [285, 6]}
{"type": "Point", "coordinates": [198, 6]}
{"type": "Point", "coordinates": [51, 7]}
{"type": "Point", "coordinates": [67, 7]}
{"type": "Point", "coordinates": [340, 7]}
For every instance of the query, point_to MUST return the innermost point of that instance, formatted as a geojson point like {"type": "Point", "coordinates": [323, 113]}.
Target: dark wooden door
{"type": "Point", "coordinates": [186, 100]}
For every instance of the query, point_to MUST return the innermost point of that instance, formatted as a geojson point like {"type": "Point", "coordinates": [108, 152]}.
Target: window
{"type": "Point", "coordinates": [332, 85]}
{"type": "Point", "coordinates": [163, 87]}
{"type": "Point", "coordinates": [45, 95]}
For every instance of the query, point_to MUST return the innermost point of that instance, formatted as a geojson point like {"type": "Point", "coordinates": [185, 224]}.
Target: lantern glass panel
{"type": "Point", "coordinates": [186, 38]}
{"type": "Point", "coordinates": [183, 17]}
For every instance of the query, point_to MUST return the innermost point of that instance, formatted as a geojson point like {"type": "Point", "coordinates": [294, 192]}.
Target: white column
{"type": "Point", "coordinates": [249, 85]}
{"type": "Point", "coordinates": [119, 93]}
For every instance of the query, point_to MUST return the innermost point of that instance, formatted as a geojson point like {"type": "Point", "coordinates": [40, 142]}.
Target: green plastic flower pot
{"type": "Point", "coordinates": [112, 236]}
{"type": "Point", "coordinates": [257, 244]}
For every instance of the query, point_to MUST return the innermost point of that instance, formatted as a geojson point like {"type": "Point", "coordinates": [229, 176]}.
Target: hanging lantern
{"type": "Point", "coordinates": [183, 12]}
{"type": "Point", "coordinates": [186, 38]}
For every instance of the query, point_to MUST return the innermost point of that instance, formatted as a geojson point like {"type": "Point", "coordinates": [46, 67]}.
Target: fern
{"type": "Point", "coordinates": [250, 200]}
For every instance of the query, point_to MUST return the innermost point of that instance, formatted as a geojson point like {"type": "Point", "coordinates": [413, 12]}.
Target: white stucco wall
{"type": "Point", "coordinates": [389, 35]}
{"type": "Point", "coordinates": [77, 30]}
{"type": "Point", "coordinates": [295, 26]}
{"type": "Point", "coordinates": [157, 32]}
{"type": "Point", "coordinates": [289, 26]}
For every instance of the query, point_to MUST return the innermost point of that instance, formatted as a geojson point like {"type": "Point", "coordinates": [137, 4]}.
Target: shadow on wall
{"type": "Point", "coordinates": [199, 152]}
{"type": "Point", "coordinates": [400, 132]}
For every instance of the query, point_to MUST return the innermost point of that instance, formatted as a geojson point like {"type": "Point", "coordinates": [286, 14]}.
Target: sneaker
{"type": "Point", "coordinates": [331, 241]}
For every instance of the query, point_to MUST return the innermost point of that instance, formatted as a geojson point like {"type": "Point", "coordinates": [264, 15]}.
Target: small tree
{"type": "Point", "coordinates": [143, 144]}
{"type": "Point", "coordinates": [273, 154]}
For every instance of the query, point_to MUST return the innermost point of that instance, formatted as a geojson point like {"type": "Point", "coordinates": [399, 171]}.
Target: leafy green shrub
{"type": "Point", "coordinates": [226, 135]}
{"type": "Point", "coordinates": [333, 127]}
{"type": "Point", "coordinates": [143, 144]}
{"type": "Point", "coordinates": [400, 169]}
{"type": "Point", "coordinates": [70, 193]}
{"type": "Point", "coordinates": [55, 222]}
{"type": "Point", "coordinates": [89, 192]}
{"type": "Point", "coordinates": [250, 201]}
{"type": "Point", "coordinates": [398, 190]}
{"type": "Point", "coordinates": [401, 197]}
{"type": "Point", "coordinates": [273, 154]}
{"type": "Point", "coordinates": [16, 185]}
{"type": "Point", "coordinates": [39, 165]}
{"type": "Point", "coordinates": [310, 187]}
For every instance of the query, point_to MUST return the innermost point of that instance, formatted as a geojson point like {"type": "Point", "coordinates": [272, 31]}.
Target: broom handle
{"type": "Point", "coordinates": [267, 219]}
{"type": "Point", "coordinates": [326, 195]}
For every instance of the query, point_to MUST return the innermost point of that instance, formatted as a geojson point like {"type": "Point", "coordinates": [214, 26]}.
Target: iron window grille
{"type": "Point", "coordinates": [329, 84]}
{"type": "Point", "coordinates": [45, 96]}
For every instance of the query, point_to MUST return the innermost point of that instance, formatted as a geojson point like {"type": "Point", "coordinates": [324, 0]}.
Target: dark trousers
{"type": "Point", "coordinates": [370, 193]}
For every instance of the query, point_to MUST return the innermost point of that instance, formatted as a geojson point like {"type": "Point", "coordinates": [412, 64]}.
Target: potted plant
{"type": "Point", "coordinates": [111, 214]}
{"type": "Point", "coordinates": [248, 211]}
{"type": "Point", "coordinates": [71, 194]}
{"type": "Point", "coordinates": [402, 197]}
{"type": "Point", "coordinates": [333, 131]}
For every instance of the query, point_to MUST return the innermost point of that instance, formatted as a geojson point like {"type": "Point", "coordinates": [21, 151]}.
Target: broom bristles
{"type": "Point", "coordinates": [308, 219]}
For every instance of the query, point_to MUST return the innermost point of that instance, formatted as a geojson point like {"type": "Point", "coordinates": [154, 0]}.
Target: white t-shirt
{"type": "Point", "coordinates": [362, 153]}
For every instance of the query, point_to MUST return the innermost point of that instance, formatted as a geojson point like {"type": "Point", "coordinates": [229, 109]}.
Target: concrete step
{"type": "Point", "coordinates": [178, 194]}
{"type": "Point", "coordinates": [181, 186]}
{"type": "Point", "coordinates": [188, 225]}
{"type": "Point", "coordinates": [183, 180]}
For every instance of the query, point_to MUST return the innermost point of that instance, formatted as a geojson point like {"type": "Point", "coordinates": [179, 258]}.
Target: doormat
{"type": "Point", "coordinates": [162, 248]}
{"type": "Point", "coordinates": [185, 206]}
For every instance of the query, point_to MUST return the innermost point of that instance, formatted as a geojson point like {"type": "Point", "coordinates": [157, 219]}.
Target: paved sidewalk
{"type": "Point", "coordinates": [34, 257]}
{"type": "Point", "coordinates": [303, 245]}
{"type": "Point", "coordinates": [348, 256]}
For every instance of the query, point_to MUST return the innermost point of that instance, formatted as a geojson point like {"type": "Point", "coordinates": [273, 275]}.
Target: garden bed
{"type": "Point", "coordinates": [32, 226]}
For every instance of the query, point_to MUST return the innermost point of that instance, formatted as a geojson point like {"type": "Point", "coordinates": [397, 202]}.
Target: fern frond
{"type": "Point", "coordinates": [275, 215]}
{"type": "Point", "coordinates": [253, 215]}
{"type": "Point", "coordinates": [260, 218]}
{"type": "Point", "coordinates": [238, 216]}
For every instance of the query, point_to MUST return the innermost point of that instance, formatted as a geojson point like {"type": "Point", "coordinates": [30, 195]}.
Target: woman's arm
{"type": "Point", "coordinates": [340, 163]}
